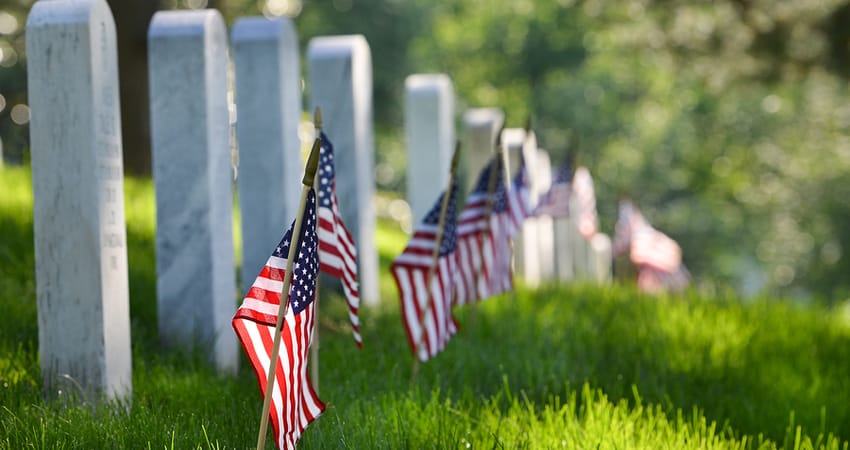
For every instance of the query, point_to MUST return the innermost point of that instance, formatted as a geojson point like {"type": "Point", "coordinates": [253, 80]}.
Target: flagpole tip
{"type": "Point", "coordinates": [312, 164]}
{"type": "Point", "coordinates": [456, 156]}
{"type": "Point", "coordinates": [317, 118]}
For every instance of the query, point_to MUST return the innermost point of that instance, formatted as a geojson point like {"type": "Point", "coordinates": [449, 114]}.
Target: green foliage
{"type": "Point", "coordinates": [558, 367]}
{"type": "Point", "coordinates": [727, 121]}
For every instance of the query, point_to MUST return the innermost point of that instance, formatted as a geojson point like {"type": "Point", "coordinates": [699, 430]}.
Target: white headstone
{"type": "Point", "coordinates": [190, 133]}
{"type": "Point", "coordinates": [78, 204]}
{"type": "Point", "coordinates": [430, 131]}
{"type": "Point", "coordinates": [340, 82]}
{"type": "Point", "coordinates": [600, 258]}
{"type": "Point", "coordinates": [579, 246]}
{"type": "Point", "coordinates": [481, 126]}
{"type": "Point", "coordinates": [563, 250]}
{"type": "Point", "coordinates": [545, 227]}
{"type": "Point", "coordinates": [268, 107]}
{"type": "Point", "coordinates": [526, 250]}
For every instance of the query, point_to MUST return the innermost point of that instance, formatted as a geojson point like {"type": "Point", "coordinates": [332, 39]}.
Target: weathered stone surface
{"type": "Point", "coordinates": [430, 132]}
{"type": "Point", "coordinates": [268, 107]}
{"type": "Point", "coordinates": [196, 287]}
{"type": "Point", "coordinates": [340, 82]}
{"type": "Point", "coordinates": [481, 126]}
{"type": "Point", "coordinates": [78, 204]}
{"type": "Point", "coordinates": [545, 233]}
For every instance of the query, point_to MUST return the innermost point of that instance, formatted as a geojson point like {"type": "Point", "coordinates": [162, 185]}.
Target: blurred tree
{"type": "Point", "coordinates": [131, 21]}
{"type": "Point", "coordinates": [728, 121]}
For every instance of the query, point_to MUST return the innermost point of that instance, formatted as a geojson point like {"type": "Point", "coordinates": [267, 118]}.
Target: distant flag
{"type": "Point", "coordinates": [294, 402]}
{"type": "Point", "coordinates": [337, 253]}
{"type": "Point", "coordinates": [519, 201]}
{"type": "Point", "coordinates": [556, 201]}
{"type": "Point", "coordinates": [484, 228]}
{"type": "Point", "coordinates": [585, 203]}
{"type": "Point", "coordinates": [657, 256]}
{"type": "Point", "coordinates": [426, 304]}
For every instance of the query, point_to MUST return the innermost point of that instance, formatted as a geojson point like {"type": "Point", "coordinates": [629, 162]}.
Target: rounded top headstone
{"type": "Point", "coordinates": [427, 82]}
{"type": "Point", "coordinates": [337, 46]}
{"type": "Point", "coordinates": [166, 24]}
{"type": "Point", "coordinates": [484, 117]}
{"type": "Point", "coordinates": [259, 28]}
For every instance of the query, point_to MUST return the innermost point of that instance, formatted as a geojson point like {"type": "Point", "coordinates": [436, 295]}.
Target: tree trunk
{"type": "Point", "coordinates": [131, 21]}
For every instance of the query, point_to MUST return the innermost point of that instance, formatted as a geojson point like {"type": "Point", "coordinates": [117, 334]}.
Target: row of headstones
{"type": "Point", "coordinates": [79, 223]}
{"type": "Point", "coordinates": [548, 248]}
{"type": "Point", "coordinates": [76, 157]}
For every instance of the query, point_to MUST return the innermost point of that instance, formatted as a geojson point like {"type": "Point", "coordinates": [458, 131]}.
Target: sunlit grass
{"type": "Point", "coordinates": [556, 367]}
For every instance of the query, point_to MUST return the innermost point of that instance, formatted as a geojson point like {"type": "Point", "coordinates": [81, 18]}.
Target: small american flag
{"type": "Point", "coordinates": [484, 230]}
{"type": "Point", "coordinates": [337, 253]}
{"type": "Point", "coordinates": [429, 325]}
{"type": "Point", "coordinates": [585, 203]}
{"type": "Point", "coordinates": [556, 201]}
{"type": "Point", "coordinates": [294, 402]}
{"type": "Point", "coordinates": [657, 256]}
{"type": "Point", "coordinates": [519, 201]}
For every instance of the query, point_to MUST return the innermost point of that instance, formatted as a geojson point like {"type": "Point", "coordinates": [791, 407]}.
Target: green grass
{"type": "Point", "coordinates": [556, 367]}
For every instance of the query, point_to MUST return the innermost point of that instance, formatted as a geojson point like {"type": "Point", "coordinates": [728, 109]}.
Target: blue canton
{"type": "Point", "coordinates": [306, 266]}
{"type": "Point", "coordinates": [564, 175]}
{"type": "Point", "coordinates": [326, 172]}
{"type": "Point", "coordinates": [450, 226]}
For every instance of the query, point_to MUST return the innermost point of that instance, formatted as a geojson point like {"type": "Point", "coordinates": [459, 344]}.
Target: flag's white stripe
{"type": "Point", "coordinates": [277, 263]}
{"type": "Point", "coordinates": [268, 284]}
{"type": "Point", "coordinates": [330, 259]}
{"type": "Point", "coordinates": [422, 299]}
{"type": "Point", "coordinates": [254, 331]}
{"type": "Point", "coordinates": [260, 306]}
{"type": "Point", "coordinates": [408, 305]}
{"type": "Point", "coordinates": [415, 260]}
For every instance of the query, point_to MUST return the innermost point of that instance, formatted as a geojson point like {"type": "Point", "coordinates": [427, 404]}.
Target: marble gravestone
{"type": "Point", "coordinates": [562, 229]}
{"type": "Point", "coordinates": [579, 246]}
{"type": "Point", "coordinates": [429, 127]}
{"type": "Point", "coordinates": [526, 250]}
{"type": "Point", "coordinates": [340, 82]}
{"type": "Point", "coordinates": [268, 107]}
{"type": "Point", "coordinates": [481, 126]}
{"type": "Point", "coordinates": [190, 131]}
{"type": "Point", "coordinates": [601, 259]}
{"type": "Point", "coordinates": [545, 228]}
{"type": "Point", "coordinates": [78, 201]}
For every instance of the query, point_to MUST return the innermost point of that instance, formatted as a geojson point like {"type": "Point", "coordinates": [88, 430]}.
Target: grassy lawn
{"type": "Point", "coordinates": [557, 367]}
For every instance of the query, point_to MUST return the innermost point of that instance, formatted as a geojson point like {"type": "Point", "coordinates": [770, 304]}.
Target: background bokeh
{"type": "Point", "coordinates": [727, 121]}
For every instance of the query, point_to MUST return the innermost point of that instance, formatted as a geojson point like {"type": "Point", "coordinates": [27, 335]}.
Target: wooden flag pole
{"type": "Point", "coordinates": [435, 256]}
{"type": "Point", "coordinates": [314, 351]}
{"type": "Point", "coordinates": [307, 181]}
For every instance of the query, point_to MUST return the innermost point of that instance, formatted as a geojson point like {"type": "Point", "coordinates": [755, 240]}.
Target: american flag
{"type": "Point", "coordinates": [429, 326]}
{"type": "Point", "coordinates": [484, 230]}
{"type": "Point", "coordinates": [337, 253]}
{"type": "Point", "coordinates": [519, 201]}
{"type": "Point", "coordinates": [294, 402]}
{"type": "Point", "coordinates": [556, 201]}
{"type": "Point", "coordinates": [657, 256]}
{"type": "Point", "coordinates": [585, 202]}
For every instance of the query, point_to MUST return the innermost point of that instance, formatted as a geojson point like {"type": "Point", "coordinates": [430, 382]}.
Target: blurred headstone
{"type": "Point", "coordinates": [190, 131]}
{"type": "Point", "coordinates": [78, 199]}
{"type": "Point", "coordinates": [545, 232]}
{"type": "Point", "coordinates": [526, 250]}
{"type": "Point", "coordinates": [430, 131]}
{"type": "Point", "coordinates": [601, 258]}
{"type": "Point", "coordinates": [481, 126]}
{"type": "Point", "coordinates": [340, 82]}
{"type": "Point", "coordinates": [268, 107]}
{"type": "Point", "coordinates": [563, 252]}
